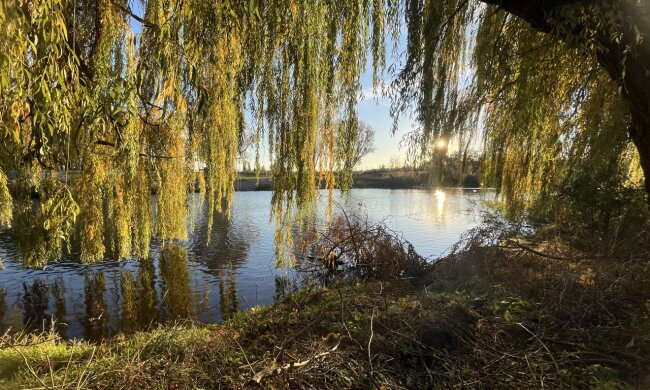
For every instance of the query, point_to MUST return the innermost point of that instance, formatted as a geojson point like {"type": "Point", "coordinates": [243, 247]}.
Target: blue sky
{"type": "Point", "coordinates": [375, 110]}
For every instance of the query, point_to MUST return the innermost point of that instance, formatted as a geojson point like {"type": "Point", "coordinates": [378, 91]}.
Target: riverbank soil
{"type": "Point", "coordinates": [518, 313]}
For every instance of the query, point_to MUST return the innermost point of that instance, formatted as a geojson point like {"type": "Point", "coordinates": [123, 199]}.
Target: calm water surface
{"type": "Point", "coordinates": [207, 282]}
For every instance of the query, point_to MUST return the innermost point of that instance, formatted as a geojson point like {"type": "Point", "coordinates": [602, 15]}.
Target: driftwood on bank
{"type": "Point", "coordinates": [261, 375]}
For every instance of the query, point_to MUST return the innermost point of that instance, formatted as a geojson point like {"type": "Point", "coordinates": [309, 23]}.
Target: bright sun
{"type": "Point", "coordinates": [441, 143]}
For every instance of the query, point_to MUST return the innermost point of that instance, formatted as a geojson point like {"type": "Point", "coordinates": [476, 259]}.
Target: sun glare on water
{"type": "Point", "coordinates": [440, 199]}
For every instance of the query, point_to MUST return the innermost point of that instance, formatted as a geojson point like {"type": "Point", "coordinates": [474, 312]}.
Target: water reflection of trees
{"type": "Point", "coordinates": [226, 246]}
{"type": "Point", "coordinates": [137, 304]}
{"type": "Point", "coordinates": [284, 285]}
{"type": "Point", "coordinates": [95, 322]}
{"type": "Point", "coordinates": [60, 309]}
{"type": "Point", "coordinates": [3, 306]}
{"type": "Point", "coordinates": [177, 295]}
{"type": "Point", "coordinates": [35, 302]}
{"type": "Point", "coordinates": [228, 300]}
{"type": "Point", "coordinates": [129, 321]}
{"type": "Point", "coordinates": [139, 299]}
{"type": "Point", "coordinates": [147, 309]}
{"type": "Point", "coordinates": [226, 250]}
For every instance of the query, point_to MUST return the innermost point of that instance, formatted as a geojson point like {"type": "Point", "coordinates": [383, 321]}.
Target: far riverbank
{"type": "Point", "coordinates": [377, 178]}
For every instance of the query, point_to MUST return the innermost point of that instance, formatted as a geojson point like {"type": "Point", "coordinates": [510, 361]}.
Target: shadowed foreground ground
{"type": "Point", "coordinates": [518, 314]}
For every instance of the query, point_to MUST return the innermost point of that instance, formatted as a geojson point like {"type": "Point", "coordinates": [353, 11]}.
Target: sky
{"type": "Point", "coordinates": [375, 110]}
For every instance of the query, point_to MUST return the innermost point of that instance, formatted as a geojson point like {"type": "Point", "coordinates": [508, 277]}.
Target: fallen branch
{"type": "Point", "coordinates": [557, 367]}
{"type": "Point", "coordinates": [259, 376]}
{"type": "Point", "coordinates": [526, 248]}
{"type": "Point", "coordinates": [245, 357]}
{"type": "Point", "coordinates": [372, 334]}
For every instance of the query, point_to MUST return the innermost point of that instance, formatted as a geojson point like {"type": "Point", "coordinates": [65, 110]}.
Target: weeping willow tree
{"type": "Point", "coordinates": [554, 87]}
{"type": "Point", "coordinates": [95, 113]}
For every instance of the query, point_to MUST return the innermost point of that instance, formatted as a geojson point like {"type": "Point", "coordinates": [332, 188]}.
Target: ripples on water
{"type": "Point", "coordinates": [207, 283]}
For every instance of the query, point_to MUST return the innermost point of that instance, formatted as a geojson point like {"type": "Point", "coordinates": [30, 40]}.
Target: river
{"type": "Point", "coordinates": [208, 282]}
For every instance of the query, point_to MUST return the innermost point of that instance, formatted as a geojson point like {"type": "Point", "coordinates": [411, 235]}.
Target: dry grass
{"type": "Point", "coordinates": [567, 318]}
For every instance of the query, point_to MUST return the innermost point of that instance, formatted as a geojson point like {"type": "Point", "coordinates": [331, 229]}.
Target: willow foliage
{"type": "Point", "coordinates": [5, 202]}
{"type": "Point", "coordinates": [94, 116]}
{"type": "Point", "coordinates": [548, 115]}
{"type": "Point", "coordinates": [119, 114]}
{"type": "Point", "coordinates": [546, 110]}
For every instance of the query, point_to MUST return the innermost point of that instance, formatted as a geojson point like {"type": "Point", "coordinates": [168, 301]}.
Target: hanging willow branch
{"type": "Point", "coordinates": [176, 97]}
